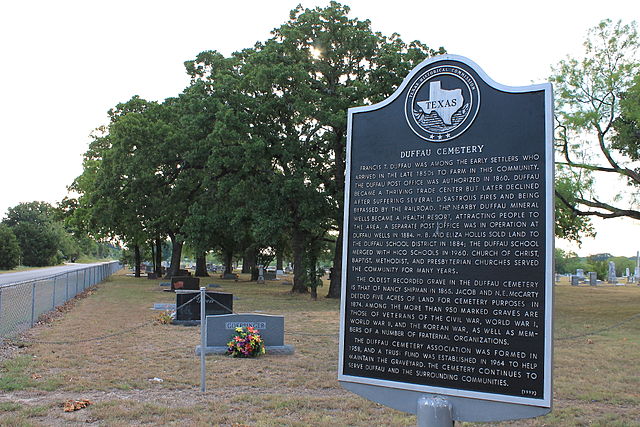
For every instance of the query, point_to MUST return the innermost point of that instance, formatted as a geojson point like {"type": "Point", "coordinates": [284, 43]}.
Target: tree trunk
{"type": "Point", "coordinates": [153, 256]}
{"type": "Point", "coordinates": [312, 274]}
{"type": "Point", "coordinates": [249, 261]}
{"type": "Point", "coordinates": [176, 256]}
{"type": "Point", "coordinates": [201, 265]}
{"type": "Point", "coordinates": [228, 262]}
{"type": "Point", "coordinates": [246, 265]}
{"type": "Point", "coordinates": [158, 263]}
{"type": "Point", "coordinates": [297, 246]}
{"type": "Point", "coordinates": [136, 259]}
{"type": "Point", "coordinates": [336, 276]}
{"type": "Point", "coordinates": [339, 166]}
{"type": "Point", "coordinates": [279, 260]}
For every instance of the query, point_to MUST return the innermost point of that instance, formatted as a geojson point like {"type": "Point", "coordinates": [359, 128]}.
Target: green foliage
{"type": "Point", "coordinates": [627, 125]}
{"type": "Point", "coordinates": [280, 134]}
{"type": "Point", "coordinates": [9, 248]}
{"type": "Point", "coordinates": [33, 225]}
{"type": "Point", "coordinates": [569, 225]}
{"type": "Point", "coordinates": [596, 133]}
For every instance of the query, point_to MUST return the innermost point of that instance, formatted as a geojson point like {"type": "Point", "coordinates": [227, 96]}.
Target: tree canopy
{"type": "Point", "coordinates": [250, 158]}
{"type": "Point", "coordinates": [597, 104]}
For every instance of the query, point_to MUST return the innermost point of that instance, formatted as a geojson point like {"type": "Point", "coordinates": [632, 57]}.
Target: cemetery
{"type": "Point", "coordinates": [594, 382]}
{"type": "Point", "coordinates": [426, 198]}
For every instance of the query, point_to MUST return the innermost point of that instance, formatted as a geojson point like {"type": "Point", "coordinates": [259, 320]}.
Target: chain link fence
{"type": "Point", "coordinates": [22, 303]}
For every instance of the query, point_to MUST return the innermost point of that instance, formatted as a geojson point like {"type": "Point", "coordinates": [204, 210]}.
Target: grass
{"type": "Point", "coordinates": [596, 374]}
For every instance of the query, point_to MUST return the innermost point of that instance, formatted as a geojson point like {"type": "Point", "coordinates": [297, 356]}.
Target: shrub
{"type": "Point", "coordinates": [9, 249]}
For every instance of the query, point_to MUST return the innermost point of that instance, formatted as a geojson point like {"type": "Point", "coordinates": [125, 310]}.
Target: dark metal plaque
{"type": "Point", "coordinates": [447, 267]}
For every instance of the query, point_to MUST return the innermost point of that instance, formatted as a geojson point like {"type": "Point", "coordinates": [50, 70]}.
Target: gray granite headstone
{"type": "Point", "coordinates": [574, 280]}
{"type": "Point", "coordinates": [580, 273]}
{"type": "Point", "coordinates": [221, 328]}
{"type": "Point", "coordinates": [593, 278]}
{"type": "Point", "coordinates": [611, 277]}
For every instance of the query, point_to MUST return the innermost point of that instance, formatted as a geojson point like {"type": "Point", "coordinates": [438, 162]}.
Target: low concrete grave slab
{"type": "Point", "coordinates": [221, 328]}
{"type": "Point", "coordinates": [163, 306]}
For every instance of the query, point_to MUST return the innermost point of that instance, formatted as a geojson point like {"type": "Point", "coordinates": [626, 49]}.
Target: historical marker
{"type": "Point", "coordinates": [449, 242]}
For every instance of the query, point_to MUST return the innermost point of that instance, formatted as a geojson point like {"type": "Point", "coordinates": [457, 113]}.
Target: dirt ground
{"type": "Point", "coordinates": [107, 347]}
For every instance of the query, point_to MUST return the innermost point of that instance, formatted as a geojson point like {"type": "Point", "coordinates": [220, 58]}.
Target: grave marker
{"type": "Point", "coordinates": [188, 305]}
{"type": "Point", "coordinates": [447, 259]}
{"type": "Point", "coordinates": [611, 276]}
{"type": "Point", "coordinates": [221, 328]}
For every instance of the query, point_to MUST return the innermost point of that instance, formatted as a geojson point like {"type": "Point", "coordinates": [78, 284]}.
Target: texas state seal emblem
{"type": "Point", "coordinates": [442, 103]}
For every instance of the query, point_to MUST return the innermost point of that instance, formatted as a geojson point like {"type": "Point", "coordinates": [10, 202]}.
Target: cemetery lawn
{"type": "Point", "coordinates": [148, 373]}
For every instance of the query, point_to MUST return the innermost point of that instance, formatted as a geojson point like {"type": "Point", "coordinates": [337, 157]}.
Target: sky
{"type": "Point", "coordinates": [64, 64]}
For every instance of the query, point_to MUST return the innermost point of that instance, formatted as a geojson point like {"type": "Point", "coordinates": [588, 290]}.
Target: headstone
{"type": "Point", "coordinates": [593, 278]}
{"type": "Point", "coordinates": [186, 283]}
{"type": "Point", "coordinates": [580, 273]}
{"type": "Point", "coordinates": [270, 275]}
{"type": "Point", "coordinates": [152, 276]}
{"type": "Point", "coordinates": [557, 278]}
{"type": "Point", "coordinates": [260, 275]}
{"type": "Point", "coordinates": [627, 272]}
{"type": "Point", "coordinates": [449, 245]}
{"type": "Point", "coordinates": [188, 305]}
{"type": "Point", "coordinates": [163, 306]}
{"type": "Point", "coordinates": [229, 276]}
{"type": "Point", "coordinates": [575, 281]}
{"type": "Point", "coordinates": [279, 273]}
{"type": "Point", "coordinates": [611, 276]}
{"type": "Point", "coordinates": [220, 329]}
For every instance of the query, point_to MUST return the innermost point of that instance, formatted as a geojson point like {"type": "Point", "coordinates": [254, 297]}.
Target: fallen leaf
{"type": "Point", "coordinates": [35, 376]}
{"type": "Point", "coordinates": [75, 405]}
{"type": "Point", "coordinates": [589, 341]}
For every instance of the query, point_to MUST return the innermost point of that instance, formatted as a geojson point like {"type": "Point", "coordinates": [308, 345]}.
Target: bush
{"type": "Point", "coordinates": [9, 249]}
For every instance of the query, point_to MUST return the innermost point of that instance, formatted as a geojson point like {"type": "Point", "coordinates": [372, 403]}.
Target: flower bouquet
{"type": "Point", "coordinates": [246, 342]}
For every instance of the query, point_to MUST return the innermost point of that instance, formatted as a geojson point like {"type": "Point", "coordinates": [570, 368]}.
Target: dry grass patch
{"type": "Point", "coordinates": [596, 381]}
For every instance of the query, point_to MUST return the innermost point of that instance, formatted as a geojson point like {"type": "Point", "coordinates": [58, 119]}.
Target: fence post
{"type": "Point", "coordinates": [53, 301]}
{"type": "Point", "coordinates": [33, 303]}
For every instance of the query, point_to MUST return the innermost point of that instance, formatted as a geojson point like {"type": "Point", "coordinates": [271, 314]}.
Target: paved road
{"type": "Point", "coordinates": [23, 276]}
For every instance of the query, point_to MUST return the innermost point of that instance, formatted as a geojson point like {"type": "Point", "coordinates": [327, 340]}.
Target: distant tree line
{"type": "Point", "coordinates": [249, 160]}
{"type": "Point", "coordinates": [34, 234]}
{"type": "Point", "coordinates": [567, 262]}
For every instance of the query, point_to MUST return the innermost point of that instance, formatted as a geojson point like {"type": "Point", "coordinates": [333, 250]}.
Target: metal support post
{"type": "Point", "coordinates": [203, 338]}
{"type": "Point", "coordinates": [434, 411]}
{"type": "Point", "coordinates": [33, 304]}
